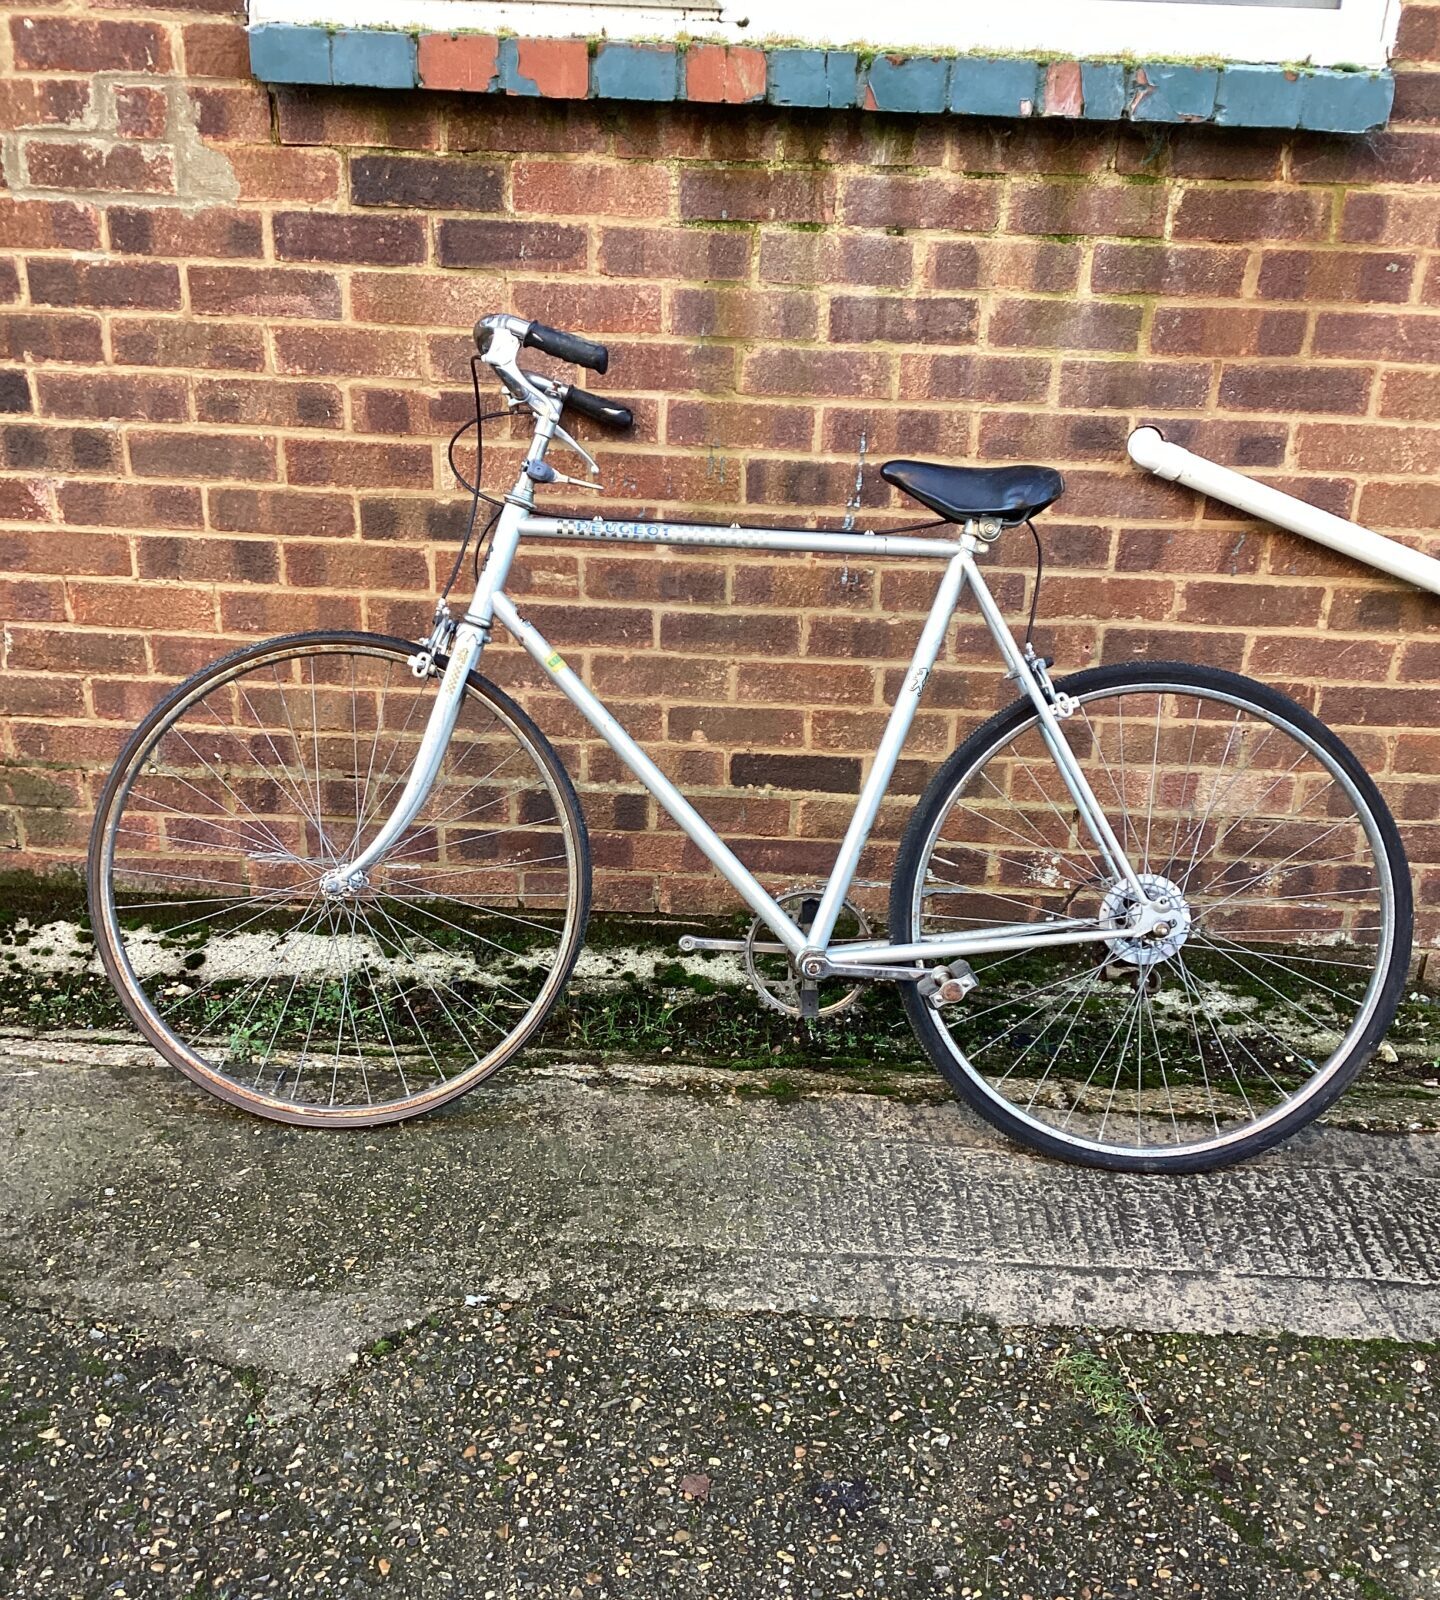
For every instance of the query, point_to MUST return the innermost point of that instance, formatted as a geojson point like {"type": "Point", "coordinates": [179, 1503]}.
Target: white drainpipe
{"type": "Point", "coordinates": [1150, 449]}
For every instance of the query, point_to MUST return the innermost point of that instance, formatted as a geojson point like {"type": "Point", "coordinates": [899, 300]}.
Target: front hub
{"type": "Point", "coordinates": [1165, 938]}
{"type": "Point", "coordinates": [343, 885]}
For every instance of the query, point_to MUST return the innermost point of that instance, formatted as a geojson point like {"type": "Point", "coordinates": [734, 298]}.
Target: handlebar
{"type": "Point", "coordinates": [551, 341]}
{"type": "Point", "coordinates": [567, 347]}
{"type": "Point", "coordinates": [595, 406]}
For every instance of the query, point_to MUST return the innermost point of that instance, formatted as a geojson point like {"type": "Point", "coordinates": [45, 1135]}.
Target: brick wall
{"type": "Point", "coordinates": [233, 338]}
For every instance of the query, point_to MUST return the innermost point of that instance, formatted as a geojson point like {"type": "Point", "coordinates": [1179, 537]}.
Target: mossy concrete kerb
{"type": "Point", "coordinates": [1329, 100]}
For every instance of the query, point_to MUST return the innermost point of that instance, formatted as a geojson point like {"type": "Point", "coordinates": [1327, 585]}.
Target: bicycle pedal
{"type": "Point", "coordinates": [809, 1000]}
{"type": "Point", "coordinates": [948, 985]}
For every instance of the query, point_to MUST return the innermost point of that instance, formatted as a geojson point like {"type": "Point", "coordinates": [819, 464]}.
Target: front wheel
{"type": "Point", "coordinates": [1275, 978]}
{"type": "Point", "coordinates": [208, 861]}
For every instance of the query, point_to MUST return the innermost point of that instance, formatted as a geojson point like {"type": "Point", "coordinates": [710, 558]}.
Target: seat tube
{"type": "Point", "coordinates": [1053, 734]}
{"type": "Point", "coordinates": [928, 647]}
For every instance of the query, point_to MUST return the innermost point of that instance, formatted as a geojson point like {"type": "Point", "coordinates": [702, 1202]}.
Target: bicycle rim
{"type": "Point", "coordinates": [234, 799]}
{"type": "Point", "coordinates": [1278, 973]}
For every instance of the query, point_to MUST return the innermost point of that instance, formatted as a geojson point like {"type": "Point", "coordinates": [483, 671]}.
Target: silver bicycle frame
{"type": "Point", "coordinates": [490, 603]}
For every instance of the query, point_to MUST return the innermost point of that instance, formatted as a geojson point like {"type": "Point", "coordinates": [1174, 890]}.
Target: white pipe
{"type": "Point", "coordinates": [1150, 449]}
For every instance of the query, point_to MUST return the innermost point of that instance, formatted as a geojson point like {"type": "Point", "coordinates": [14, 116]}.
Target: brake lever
{"type": "Point", "coordinates": [581, 451]}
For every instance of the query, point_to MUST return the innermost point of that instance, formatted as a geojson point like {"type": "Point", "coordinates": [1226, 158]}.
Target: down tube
{"type": "Point", "coordinates": [721, 856]}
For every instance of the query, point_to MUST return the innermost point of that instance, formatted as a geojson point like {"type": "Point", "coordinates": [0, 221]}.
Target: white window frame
{"type": "Point", "coordinates": [1360, 33]}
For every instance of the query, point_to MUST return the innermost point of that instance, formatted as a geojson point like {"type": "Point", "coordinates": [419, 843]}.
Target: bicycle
{"type": "Point", "coordinates": [1151, 916]}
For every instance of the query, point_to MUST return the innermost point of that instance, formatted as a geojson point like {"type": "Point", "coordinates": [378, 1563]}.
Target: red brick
{"type": "Point", "coordinates": [737, 426]}
{"type": "Point", "coordinates": [1022, 264]}
{"type": "Point", "coordinates": [1390, 219]}
{"type": "Point", "coordinates": [1413, 396]}
{"type": "Point", "coordinates": [361, 241]}
{"type": "Point", "coordinates": [43, 102]}
{"type": "Point", "coordinates": [590, 189]}
{"type": "Point", "coordinates": [354, 568]}
{"type": "Point", "coordinates": [269, 402]}
{"type": "Point", "coordinates": [168, 231]}
{"type": "Point", "coordinates": [817, 373]}
{"type": "Point", "coordinates": [229, 114]}
{"type": "Point", "coordinates": [48, 225]}
{"type": "Point", "coordinates": [748, 195]}
{"type": "Point", "coordinates": [323, 462]}
{"type": "Point", "coordinates": [131, 505]}
{"type": "Point", "coordinates": [122, 168]}
{"type": "Point", "coordinates": [538, 246]}
{"type": "Point", "coordinates": [348, 352]}
{"type": "Point", "coordinates": [466, 61]}
{"type": "Point", "coordinates": [922, 431]}
{"type": "Point", "coordinates": [1331, 446]}
{"type": "Point", "coordinates": [975, 377]}
{"type": "Point", "coordinates": [149, 285]}
{"type": "Point", "coordinates": [559, 68]}
{"type": "Point", "coordinates": [427, 183]}
{"type": "Point", "coordinates": [1167, 269]}
{"type": "Point", "coordinates": [1126, 210]}
{"type": "Point", "coordinates": [1390, 155]}
{"type": "Point", "coordinates": [23, 500]}
{"type": "Point", "coordinates": [279, 512]}
{"type": "Point", "coordinates": [63, 44]}
{"type": "Point", "coordinates": [1025, 436]}
{"type": "Point", "coordinates": [133, 395]}
{"type": "Point", "coordinates": [155, 342]}
{"type": "Point", "coordinates": [1238, 216]}
{"type": "Point", "coordinates": [270, 173]}
{"type": "Point", "coordinates": [743, 314]}
{"type": "Point", "coordinates": [51, 336]}
{"type": "Point", "coordinates": [357, 120]}
{"type": "Point", "coordinates": [965, 205]}
{"type": "Point", "coordinates": [140, 111]}
{"type": "Point", "coordinates": [722, 74]}
{"type": "Point", "coordinates": [1064, 325]}
{"type": "Point", "coordinates": [1290, 388]}
{"type": "Point", "coordinates": [208, 560]}
{"type": "Point", "coordinates": [264, 292]}
{"type": "Point", "coordinates": [597, 308]}
{"type": "Point", "coordinates": [30, 446]}
{"type": "Point", "coordinates": [860, 319]}
{"type": "Point", "coordinates": [702, 253]}
{"type": "Point", "coordinates": [685, 581]}
{"type": "Point", "coordinates": [1135, 385]}
{"type": "Point", "coordinates": [1343, 275]}
{"type": "Point", "coordinates": [215, 50]}
{"type": "Point", "coordinates": [778, 483]}
{"type": "Point", "coordinates": [1251, 605]}
{"type": "Point", "coordinates": [1418, 38]}
{"type": "Point", "coordinates": [1187, 330]}
{"type": "Point", "coordinates": [151, 605]}
{"type": "Point", "coordinates": [32, 600]}
{"type": "Point", "coordinates": [1378, 336]}
{"type": "Point", "coordinates": [202, 455]}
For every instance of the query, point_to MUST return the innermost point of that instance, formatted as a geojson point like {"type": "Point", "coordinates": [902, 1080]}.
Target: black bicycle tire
{"type": "Point", "coordinates": [929, 1030]}
{"type": "Point", "coordinates": [117, 968]}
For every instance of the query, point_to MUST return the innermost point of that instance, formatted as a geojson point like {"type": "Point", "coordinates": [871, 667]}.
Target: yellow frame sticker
{"type": "Point", "coordinates": [554, 661]}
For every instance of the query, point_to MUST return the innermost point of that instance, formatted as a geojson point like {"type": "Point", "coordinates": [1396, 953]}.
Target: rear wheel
{"type": "Point", "coordinates": [233, 800]}
{"type": "Point", "coordinates": [1275, 977]}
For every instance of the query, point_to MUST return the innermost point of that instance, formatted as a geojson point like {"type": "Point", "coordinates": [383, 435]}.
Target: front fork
{"type": "Point", "coordinates": [466, 642]}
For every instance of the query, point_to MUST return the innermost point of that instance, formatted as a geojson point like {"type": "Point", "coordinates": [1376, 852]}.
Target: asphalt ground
{"type": "Point", "coordinates": [605, 1332]}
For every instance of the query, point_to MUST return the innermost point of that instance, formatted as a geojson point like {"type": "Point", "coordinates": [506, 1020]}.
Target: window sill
{"type": "Point", "coordinates": [1234, 95]}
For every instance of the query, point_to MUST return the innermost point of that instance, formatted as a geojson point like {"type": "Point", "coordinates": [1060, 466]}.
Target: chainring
{"type": "Point", "coordinates": [776, 981]}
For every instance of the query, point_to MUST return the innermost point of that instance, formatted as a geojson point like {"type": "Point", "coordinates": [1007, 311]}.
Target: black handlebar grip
{"type": "Point", "coordinates": [567, 347]}
{"type": "Point", "coordinates": [609, 412]}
